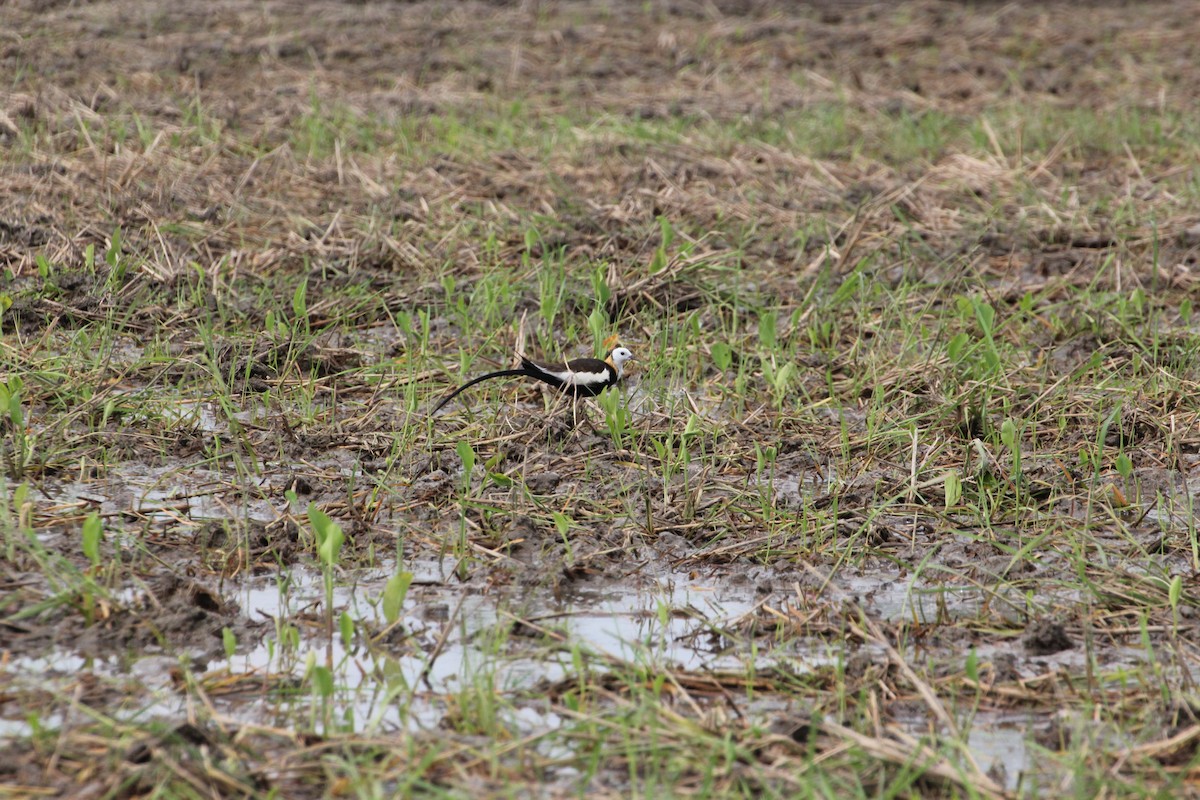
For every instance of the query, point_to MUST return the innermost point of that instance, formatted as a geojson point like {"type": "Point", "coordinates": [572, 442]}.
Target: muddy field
{"type": "Point", "coordinates": [896, 502]}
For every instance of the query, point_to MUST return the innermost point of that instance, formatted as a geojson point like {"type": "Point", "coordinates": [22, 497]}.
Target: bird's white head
{"type": "Point", "coordinates": [618, 357]}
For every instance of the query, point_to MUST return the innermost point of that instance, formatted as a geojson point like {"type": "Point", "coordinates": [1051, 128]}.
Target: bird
{"type": "Point", "coordinates": [580, 377]}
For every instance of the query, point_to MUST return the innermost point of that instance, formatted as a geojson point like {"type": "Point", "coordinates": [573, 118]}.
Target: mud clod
{"type": "Point", "coordinates": [543, 482]}
{"type": "Point", "coordinates": [1046, 637]}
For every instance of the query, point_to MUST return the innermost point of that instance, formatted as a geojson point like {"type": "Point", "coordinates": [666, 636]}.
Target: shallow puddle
{"type": "Point", "coordinates": [907, 598]}
{"type": "Point", "coordinates": [520, 639]}
{"type": "Point", "coordinates": [161, 495]}
{"type": "Point", "coordinates": [460, 641]}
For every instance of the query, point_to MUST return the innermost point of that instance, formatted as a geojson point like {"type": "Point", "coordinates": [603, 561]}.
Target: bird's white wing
{"type": "Point", "coordinates": [572, 377]}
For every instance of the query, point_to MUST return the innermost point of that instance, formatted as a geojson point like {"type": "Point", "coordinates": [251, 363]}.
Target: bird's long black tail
{"type": "Point", "coordinates": [504, 373]}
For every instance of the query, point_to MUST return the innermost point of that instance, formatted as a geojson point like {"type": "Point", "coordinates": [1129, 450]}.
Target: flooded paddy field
{"type": "Point", "coordinates": [896, 501]}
